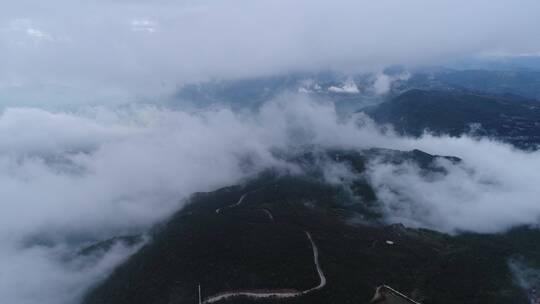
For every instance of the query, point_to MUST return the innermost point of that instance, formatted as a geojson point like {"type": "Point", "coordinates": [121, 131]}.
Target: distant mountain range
{"type": "Point", "coordinates": [360, 88]}
{"type": "Point", "coordinates": [348, 92]}
{"type": "Point", "coordinates": [498, 104]}
{"type": "Point", "coordinates": [509, 118]}
{"type": "Point", "coordinates": [515, 82]}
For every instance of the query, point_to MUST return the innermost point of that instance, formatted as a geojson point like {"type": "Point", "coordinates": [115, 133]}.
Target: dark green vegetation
{"type": "Point", "coordinates": [512, 119]}
{"type": "Point", "coordinates": [242, 248]}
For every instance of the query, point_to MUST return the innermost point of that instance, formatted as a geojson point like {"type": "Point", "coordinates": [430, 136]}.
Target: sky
{"type": "Point", "coordinates": [81, 160]}
{"type": "Point", "coordinates": [125, 49]}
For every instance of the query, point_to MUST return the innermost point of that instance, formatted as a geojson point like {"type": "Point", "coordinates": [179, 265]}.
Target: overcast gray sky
{"type": "Point", "coordinates": [145, 46]}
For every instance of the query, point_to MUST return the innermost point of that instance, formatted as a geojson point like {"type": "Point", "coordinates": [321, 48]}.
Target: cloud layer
{"type": "Point", "coordinates": [73, 176]}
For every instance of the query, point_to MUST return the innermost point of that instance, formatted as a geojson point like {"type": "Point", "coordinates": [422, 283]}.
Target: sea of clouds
{"type": "Point", "coordinates": [71, 177]}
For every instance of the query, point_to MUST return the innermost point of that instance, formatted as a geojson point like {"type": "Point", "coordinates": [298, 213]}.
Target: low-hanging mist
{"type": "Point", "coordinates": [71, 177]}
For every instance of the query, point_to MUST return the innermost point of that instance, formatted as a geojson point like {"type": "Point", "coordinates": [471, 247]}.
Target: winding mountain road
{"type": "Point", "coordinates": [276, 293]}
{"type": "Point", "coordinates": [218, 210]}
{"type": "Point", "coordinates": [290, 293]}
{"type": "Point", "coordinates": [322, 277]}
{"type": "Point", "coordinates": [269, 214]}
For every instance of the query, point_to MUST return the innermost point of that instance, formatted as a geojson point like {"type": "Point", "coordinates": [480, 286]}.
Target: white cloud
{"type": "Point", "coordinates": [383, 82]}
{"type": "Point", "coordinates": [103, 173]}
{"type": "Point", "coordinates": [16, 28]}
{"type": "Point", "coordinates": [349, 87]}
{"type": "Point", "coordinates": [493, 190]}
{"type": "Point", "coordinates": [144, 25]}
{"type": "Point", "coordinates": [41, 274]}
{"type": "Point", "coordinates": [38, 34]}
